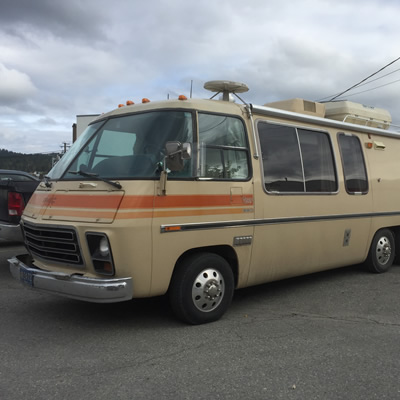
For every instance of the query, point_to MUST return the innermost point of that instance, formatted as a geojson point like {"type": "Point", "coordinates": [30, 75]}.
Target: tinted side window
{"type": "Point", "coordinates": [355, 173]}
{"type": "Point", "coordinates": [296, 160]}
{"type": "Point", "coordinates": [224, 152]}
{"type": "Point", "coordinates": [319, 167]}
{"type": "Point", "coordinates": [281, 158]}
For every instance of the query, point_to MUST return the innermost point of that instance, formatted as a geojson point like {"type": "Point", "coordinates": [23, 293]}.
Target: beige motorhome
{"type": "Point", "coordinates": [196, 198]}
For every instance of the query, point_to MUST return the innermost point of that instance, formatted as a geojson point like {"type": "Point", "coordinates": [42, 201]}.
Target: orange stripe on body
{"type": "Point", "coordinates": [200, 201]}
{"type": "Point", "coordinates": [183, 201]}
{"type": "Point", "coordinates": [83, 205]}
{"type": "Point", "coordinates": [179, 213]}
{"type": "Point", "coordinates": [175, 201]}
{"type": "Point", "coordinates": [79, 214]}
{"type": "Point", "coordinates": [96, 201]}
{"type": "Point", "coordinates": [76, 201]}
{"type": "Point", "coordinates": [132, 202]}
{"type": "Point", "coordinates": [40, 199]}
{"type": "Point", "coordinates": [193, 213]}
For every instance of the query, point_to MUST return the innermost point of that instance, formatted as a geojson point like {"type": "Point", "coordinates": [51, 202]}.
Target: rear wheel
{"type": "Point", "coordinates": [202, 288]}
{"type": "Point", "coordinates": [382, 252]}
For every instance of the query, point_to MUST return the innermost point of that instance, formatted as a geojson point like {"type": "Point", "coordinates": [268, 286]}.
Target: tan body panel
{"type": "Point", "coordinates": [211, 202]}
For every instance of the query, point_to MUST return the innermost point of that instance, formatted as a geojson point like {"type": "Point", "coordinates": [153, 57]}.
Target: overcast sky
{"type": "Point", "coordinates": [59, 59]}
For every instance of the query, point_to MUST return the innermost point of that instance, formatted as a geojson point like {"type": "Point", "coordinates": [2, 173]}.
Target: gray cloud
{"type": "Point", "coordinates": [60, 59]}
{"type": "Point", "coordinates": [64, 19]}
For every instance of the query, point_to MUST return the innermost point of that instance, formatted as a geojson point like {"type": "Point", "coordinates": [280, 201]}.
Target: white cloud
{"type": "Point", "coordinates": [15, 86]}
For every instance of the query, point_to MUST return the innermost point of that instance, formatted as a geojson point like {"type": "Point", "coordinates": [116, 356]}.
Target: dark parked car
{"type": "Point", "coordinates": [16, 188]}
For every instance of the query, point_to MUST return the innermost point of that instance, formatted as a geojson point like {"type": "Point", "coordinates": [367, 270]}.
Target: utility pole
{"type": "Point", "coordinates": [65, 146]}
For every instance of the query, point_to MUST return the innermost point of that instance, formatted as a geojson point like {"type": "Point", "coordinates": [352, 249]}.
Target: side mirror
{"type": "Point", "coordinates": [175, 153]}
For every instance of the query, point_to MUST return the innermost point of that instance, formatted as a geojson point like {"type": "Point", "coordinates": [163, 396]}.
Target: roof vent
{"type": "Point", "coordinates": [226, 88]}
{"type": "Point", "coordinates": [300, 106]}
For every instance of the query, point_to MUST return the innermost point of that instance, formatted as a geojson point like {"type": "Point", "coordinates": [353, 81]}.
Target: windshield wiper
{"type": "Point", "coordinates": [96, 177]}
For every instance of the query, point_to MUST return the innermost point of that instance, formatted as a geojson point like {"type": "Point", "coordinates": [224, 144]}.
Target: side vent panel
{"type": "Point", "coordinates": [310, 106]}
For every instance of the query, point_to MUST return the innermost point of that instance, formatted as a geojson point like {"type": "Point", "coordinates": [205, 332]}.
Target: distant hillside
{"type": "Point", "coordinates": [40, 163]}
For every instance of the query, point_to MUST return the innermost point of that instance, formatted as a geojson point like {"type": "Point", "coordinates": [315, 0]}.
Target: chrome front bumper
{"type": "Point", "coordinates": [96, 290]}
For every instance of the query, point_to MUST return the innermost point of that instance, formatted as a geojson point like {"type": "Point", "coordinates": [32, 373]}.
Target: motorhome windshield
{"type": "Point", "coordinates": [126, 147]}
{"type": "Point", "coordinates": [58, 169]}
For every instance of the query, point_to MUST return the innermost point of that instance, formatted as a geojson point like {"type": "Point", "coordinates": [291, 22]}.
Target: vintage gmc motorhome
{"type": "Point", "coordinates": [195, 198]}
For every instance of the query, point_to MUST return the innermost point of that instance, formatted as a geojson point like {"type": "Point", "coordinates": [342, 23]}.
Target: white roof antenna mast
{"type": "Point", "coordinates": [226, 88]}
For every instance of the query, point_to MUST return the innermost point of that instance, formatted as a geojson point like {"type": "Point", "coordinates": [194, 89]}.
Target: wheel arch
{"type": "Point", "coordinates": [224, 251]}
{"type": "Point", "coordinates": [377, 262]}
{"type": "Point", "coordinates": [395, 229]}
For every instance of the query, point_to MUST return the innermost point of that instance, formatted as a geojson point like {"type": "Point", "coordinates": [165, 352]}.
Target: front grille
{"type": "Point", "coordinates": [53, 243]}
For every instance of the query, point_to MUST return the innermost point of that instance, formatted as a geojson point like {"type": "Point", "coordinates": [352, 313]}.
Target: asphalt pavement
{"type": "Point", "coordinates": [331, 335]}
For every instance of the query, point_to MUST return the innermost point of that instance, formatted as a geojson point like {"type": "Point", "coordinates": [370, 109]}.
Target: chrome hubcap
{"type": "Point", "coordinates": [383, 250]}
{"type": "Point", "coordinates": [208, 290]}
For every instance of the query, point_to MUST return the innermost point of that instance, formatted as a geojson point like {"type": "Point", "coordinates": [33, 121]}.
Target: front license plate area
{"type": "Point", "coordinates": [26, 277]}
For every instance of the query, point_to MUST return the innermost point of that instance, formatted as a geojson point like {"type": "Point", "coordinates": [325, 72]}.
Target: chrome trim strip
{"type": "Point", "coordinates": [289, 115]}
{"type": "Point", "coordinates": [79, 287]}
{"type": "Point", "coordinates": [256, 154]}
{"type": "Point", "coordinates": [269, 221]}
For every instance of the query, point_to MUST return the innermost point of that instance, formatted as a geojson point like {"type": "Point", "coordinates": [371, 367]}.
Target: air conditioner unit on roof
{"type": "Point", "coordinates": [356, 113]}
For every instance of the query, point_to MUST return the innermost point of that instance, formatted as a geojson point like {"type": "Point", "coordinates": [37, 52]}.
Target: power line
{"type": "Point", "coordinates": [367, 83]}
{"type": "Point", "coordinates": [377, 79]}
{"type": "Point", "coordinates": [376, 87]}
{"type": "Point", "coordinates": [363, 80]}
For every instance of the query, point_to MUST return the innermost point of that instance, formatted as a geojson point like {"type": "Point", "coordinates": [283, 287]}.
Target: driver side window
{"type": "Point", "coordinates": [223, 148]}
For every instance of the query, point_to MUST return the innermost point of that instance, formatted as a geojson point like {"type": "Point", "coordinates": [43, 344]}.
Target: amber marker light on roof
{"type": "Point", "coordinates": [120, 105]}
{"type": "Point", "coordinates": [145, 100]}
{"type": "Point", "coordinates": [182, 97]}
{"type": "Point", "coordinates": [129, 103]}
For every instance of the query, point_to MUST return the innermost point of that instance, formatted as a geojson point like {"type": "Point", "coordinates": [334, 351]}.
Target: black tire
{"type": "Point", "coordinates": [382, 252]}
{"type": "Point", "coordinates": [202, 288]}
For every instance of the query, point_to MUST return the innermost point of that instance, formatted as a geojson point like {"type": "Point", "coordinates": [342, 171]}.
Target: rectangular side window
{"type": "Point", "coordinates": [319, 167]}
{"type": "Point", "coordinates": [355, 173]}
{"type": "Point", "coordinates": [224, 153]}
{"type": "Point", "coordinates": [281, 158]}
{"type": "Point", "coordinates": [296, 160]}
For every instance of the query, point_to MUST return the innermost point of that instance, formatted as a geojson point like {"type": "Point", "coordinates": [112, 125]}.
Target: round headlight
{"type": "Point", "coordinates": [104, 247]}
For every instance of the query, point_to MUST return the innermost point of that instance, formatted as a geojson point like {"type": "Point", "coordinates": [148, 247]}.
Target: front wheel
{"type": "Point", "coordinates": [382, 252]}
{"type": "Point", "coordinates": [202, 288]}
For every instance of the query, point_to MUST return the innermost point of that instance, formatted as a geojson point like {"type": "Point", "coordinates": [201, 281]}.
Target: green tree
{"type": "Point", "coordinates": [40, 163]}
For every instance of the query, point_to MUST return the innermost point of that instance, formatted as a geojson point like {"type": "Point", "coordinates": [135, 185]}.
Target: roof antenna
{"type": "Point", "coordinates": [226, 87]}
